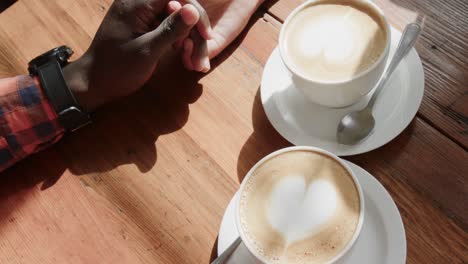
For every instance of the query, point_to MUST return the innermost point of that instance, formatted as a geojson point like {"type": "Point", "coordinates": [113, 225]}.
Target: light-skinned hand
{"type": "Point", "coordinates": [228, 19]}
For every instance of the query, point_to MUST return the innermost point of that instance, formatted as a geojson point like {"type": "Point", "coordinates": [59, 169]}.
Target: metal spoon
{"type": "Point", "coordinates": [357, 125]}
{"type": "Point", "coordinates": [223, 257]}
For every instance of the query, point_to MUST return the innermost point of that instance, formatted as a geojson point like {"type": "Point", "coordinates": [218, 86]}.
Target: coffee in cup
{"type": "Point", "coordinates": [335, 40]}
{"type": "Point", "coordinates": [299, 205]}
{"type": "Point", "coordinates": [336, 50]}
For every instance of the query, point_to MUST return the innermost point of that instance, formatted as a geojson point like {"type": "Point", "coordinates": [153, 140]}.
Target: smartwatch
{"type": "Point", "coordinates": [48, 68]}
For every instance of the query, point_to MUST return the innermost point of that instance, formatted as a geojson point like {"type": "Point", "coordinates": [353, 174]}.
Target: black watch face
{"type": "Point", "coordinates": [61, 54]}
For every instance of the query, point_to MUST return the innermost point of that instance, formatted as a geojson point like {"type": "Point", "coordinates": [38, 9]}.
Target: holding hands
{"type": "Point", "coordinates": [228, 18]}
{"type": "Point", "coordinates": [136, 33]}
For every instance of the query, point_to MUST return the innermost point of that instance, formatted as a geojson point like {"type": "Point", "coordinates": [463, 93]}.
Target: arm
{"type": "Point", "coordinates": [117, 63]}
{"type": "Point", "coordinates": [27, 121]}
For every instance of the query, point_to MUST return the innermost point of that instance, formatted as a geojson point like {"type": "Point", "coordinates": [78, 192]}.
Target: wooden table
{"type": "Point", "coordinates": [149, 181]}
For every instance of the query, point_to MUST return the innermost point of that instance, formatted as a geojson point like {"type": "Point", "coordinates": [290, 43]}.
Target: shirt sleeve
{"type": "Point", "coordinates": [28, 123]}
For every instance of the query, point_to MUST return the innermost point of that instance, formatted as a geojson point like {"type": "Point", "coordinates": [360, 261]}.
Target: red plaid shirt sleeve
{"type": "Point", "coordinates": [28, 123]}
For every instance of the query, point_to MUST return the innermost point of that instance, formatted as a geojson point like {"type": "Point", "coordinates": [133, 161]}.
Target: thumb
{"type": "Point", "coordinates": [175, 27]}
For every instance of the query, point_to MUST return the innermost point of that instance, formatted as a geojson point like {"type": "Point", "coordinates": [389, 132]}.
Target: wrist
{"type": "Point", "coordinates": [77, 76]}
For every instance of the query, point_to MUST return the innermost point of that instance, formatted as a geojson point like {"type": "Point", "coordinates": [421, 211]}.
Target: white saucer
{"type": "Point", "coordinates": [382, 239]}
{"type": "Point", "coordinates": [307, 124]}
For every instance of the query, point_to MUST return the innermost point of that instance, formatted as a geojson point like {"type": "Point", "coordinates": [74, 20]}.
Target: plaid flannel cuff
{"type": "Point", "coordinates": [28, 122]}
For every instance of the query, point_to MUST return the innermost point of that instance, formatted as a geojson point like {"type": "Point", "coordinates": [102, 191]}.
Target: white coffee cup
{"type": "Point", "coordinates": [259, 259]}
{"type": "Point", "coordinates": [341, 93]}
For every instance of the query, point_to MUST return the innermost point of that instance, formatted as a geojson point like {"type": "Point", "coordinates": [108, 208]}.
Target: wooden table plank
{"type": "Point", "coordinates": [149, 181]}
{"type": "Point", "coordinates": [443, 48]}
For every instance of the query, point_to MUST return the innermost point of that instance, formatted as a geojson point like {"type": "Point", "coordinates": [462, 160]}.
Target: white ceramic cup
{"type": "Point", "coordinates": [342, 93]}
{"type": "Point", "coordinates": [258, 259]}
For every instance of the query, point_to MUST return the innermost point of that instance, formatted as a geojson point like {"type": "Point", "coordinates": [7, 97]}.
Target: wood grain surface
{"type": "Point", "coordinates": [148, 182]}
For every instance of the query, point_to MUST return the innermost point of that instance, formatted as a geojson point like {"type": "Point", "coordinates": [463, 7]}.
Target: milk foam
{"type": "Point", "coordinates": [297, 210]}
{"type": "Point", "coordinates": [298, 207]}
{"type": "Point", "coordinates": [325, 37]}
{"type": "Point", "coordinates": [335, 40]}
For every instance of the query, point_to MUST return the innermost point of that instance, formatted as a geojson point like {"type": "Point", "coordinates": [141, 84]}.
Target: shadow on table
{"type": "Point", "coordinates": [214, 250]}
{"type": "Point", "coordinates": [387, 154]}
{"type": "Point", "coordinates": [124, 132]}
{"type": "Point", "coordinates": [161, 108]}
{"type": "Point", "coordinates": [264, 140]}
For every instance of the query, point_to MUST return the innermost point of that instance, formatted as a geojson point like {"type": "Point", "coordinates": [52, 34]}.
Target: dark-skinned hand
{"type": "Point", "coordinates": [128, 45]}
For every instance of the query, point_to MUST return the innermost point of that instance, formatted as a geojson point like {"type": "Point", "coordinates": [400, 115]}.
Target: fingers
{"type": "Point", "coordinates": [214, 49]}
{"type": "Point", "coordinates": [187, 54]}
{"type": "Point", "coordinates": [204, 25]}
{"type": "Point", "coordinates": [195, 53]}
{"type": "Point", "coordinates": [158, 6]}
{"type": "Point", "coordinates": [173, 6]}
{"type": "Point", "coordinates": [195, 50]}
{"type": "Point", "coordinates": [189, 15]}
{"type": "Point", "coordinates": [200, 59]}
{"type": "Point", "coordinates": [175, 27]}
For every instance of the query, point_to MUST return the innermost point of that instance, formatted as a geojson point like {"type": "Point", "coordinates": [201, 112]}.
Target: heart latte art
{"type": "Point", "coordinates": [335, 40]}
{"type": "Point", "coordinates": [297, 210]}
{"type": "Point", "coordinates": [299, 207]}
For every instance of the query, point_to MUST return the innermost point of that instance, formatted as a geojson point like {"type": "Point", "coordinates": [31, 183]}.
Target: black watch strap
{"type": "Point", "coordinates": [71, 116]}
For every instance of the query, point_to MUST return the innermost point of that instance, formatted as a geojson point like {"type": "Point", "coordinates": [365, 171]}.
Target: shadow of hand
{"type": "Point", "coordinates": [126, 131]}
{"type": "Point", "coordinates": [262, 142]}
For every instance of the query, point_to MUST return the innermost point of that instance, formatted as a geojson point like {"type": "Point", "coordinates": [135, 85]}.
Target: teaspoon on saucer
{"type": "Point", "coordinates": [223, 257]}
{"type": "Point", "coordinates": [357, 125]}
